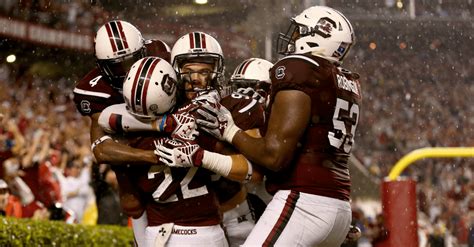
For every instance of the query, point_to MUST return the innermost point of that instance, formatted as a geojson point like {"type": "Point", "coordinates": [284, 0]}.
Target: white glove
{"type": "Point", "coordinates": [217, 121]}
{"type": "Point", "coordinates": [211, 96]}
{"type": "Point", "coordinates": [176, 153]}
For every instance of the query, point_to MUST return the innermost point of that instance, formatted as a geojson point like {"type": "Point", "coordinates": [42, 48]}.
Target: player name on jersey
{"type": "Point", "coordinates": [346, 84]}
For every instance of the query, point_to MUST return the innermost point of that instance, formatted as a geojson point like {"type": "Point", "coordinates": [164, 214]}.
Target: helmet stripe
{"type": "Point", "coordinates": [111, 37]}
{"type": "Point", "coordinates": [243, 67]}
{"type": "Point", "coordinates": [197, 39]}
{"type": "Point", "coordinates": [147, 82]}
{"type": "Point", "coordinates": [140, 83]}
{"type": "Point", "coordinates": [238, 69]}
{"type": "Point", "coordinates": [134, 86]}
{"type": "Point", "coordinates": [246, 66]}
{"type": "Point", "coordinates": [116, 36]}
{"type": "Point", "coordinates": [191, 40]}
{"type": "Point", "coordinates": [203, 40]}
{"type": "Point", "coordinates": [122, 34]}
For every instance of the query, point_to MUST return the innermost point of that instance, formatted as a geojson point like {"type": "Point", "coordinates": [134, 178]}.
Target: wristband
{"type": "Point", "coordinates": [99, 141]}
{"type": "Point", "coordinates": [162, 124]}
{"type": "Point", "coordinates": [230, 132]}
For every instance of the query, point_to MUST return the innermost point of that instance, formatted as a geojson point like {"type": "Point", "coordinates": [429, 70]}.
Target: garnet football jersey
{"type": "Point", "coordinates": [320, 162]}
{"type": "Point", "coordinates": [178, 195]}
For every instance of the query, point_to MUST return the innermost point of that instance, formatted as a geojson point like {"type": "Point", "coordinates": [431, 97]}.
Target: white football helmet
{"type": "Point", "coordinates": [149, 90]}
{"type": "Point", "coordinates": [321, 31]}
{"type": "Point", "coordinates": [199, 47]}
{"type": "Point", "coordinates": [252, 70]}
{"type": "Point", "coordinates": [118, 44]}
{"type": "Point", "coordinates": [252, 78]}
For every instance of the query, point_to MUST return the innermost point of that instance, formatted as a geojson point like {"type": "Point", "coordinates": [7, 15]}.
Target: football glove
{"type": "Point", "coordinates": [217, 121]}
{"type": "Point", "coordinates": [178, 153]}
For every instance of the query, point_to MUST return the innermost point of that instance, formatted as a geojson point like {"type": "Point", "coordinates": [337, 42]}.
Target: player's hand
{"type": "Point", "coordinates": [207, 97]}
{"type": "Point", "coordinates": [176, 153]}
{"type": "Point", "coordinates": [217, 121]}
{"type": "Point", "coordinates": [181, 125]}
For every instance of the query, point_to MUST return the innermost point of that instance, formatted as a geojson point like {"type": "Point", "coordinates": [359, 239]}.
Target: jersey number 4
{"type": "Point", "coordinates": [342, 136]}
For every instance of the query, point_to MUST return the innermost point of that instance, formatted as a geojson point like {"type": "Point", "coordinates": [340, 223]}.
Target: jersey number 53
{"type": "Point", "coordinates": [345, 119]}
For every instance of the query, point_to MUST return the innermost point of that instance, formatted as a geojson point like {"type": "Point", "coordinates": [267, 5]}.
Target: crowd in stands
{"type": "Point", "coordinates": [414, 100]}
{"type": "Point", "coordinates": [46, 157]}
{"type": "Point", "coordinates": [65, 15]}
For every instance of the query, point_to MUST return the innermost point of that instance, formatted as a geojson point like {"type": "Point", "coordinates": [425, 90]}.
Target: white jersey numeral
{"type": "Point", "coordinates": [186, 191]}
{"type": "Point", "coordinates": [242, 95]}
{"type": "Point", "coordinates": [94, 81]}
{"type": "Point", "coordinates": [339, 137]}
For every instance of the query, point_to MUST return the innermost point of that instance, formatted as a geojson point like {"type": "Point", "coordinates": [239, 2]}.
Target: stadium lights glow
{"type": "Point", "coordinates": [402, 45]}
{"type": "Point", "coordinates": [372, 45]}
{"type": "Point", "coordinates": [399, 4]}
{"type": "Point", "coordinates": [11, 58]}
{"type": "Point", "coordinates": [200, 1]}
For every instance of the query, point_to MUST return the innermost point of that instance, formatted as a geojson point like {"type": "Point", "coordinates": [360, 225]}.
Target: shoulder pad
{"type": "Point", "coordinates": [93, 93]}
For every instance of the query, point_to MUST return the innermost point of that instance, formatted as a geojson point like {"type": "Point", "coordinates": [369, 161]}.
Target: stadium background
{"type": "Point", "coordinates": [415, 58]}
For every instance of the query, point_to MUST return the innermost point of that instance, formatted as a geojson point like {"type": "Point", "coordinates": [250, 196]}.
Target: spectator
{"type": "Point", "coordinates": [75, 188]}
{"type": "Point", "coordinates": [10, 205]}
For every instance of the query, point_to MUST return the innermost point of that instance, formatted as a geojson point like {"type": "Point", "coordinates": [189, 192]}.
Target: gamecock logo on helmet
{"type": "Point", "coordinates": [325, 26]}
{"type": "Point", "coordinates": [168, 84]}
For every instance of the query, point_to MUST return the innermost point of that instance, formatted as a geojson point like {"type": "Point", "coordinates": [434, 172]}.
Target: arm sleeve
{"type": "Point", "coordinates": [116, 119]}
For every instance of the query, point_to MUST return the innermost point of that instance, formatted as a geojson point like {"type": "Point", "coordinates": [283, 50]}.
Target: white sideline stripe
{"type": "Point", "coordinates": [91, 93]}
{"type": "Point", "coordinates": [302, 57]}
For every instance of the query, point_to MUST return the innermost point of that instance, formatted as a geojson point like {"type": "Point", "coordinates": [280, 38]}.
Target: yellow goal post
{"type": "Point", "coordinates": [436, 152]}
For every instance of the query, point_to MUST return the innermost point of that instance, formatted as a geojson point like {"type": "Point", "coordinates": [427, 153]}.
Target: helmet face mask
{"type": "Point", "coordinates": [200, 48]}
{"type": "Point", "coordinates": [115, 69]}
{"type": "Point", "coordinates": [321, 31]}
{"type": "Point", "coordinates": [286, 41]}
{"type": "Point", "coordinates": [239, 83]}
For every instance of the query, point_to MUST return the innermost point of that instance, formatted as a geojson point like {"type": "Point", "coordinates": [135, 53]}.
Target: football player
{"type": "Point", "coordinates": [314, 111]}
{"type": "Point", "coordinates": [181, 209]}
{"type": "Point", "coordinates": [250, 80]}
{"type": "Point", "coordinates": [118, 44]}
{"type": "Point", "coordinates": [200, 70]}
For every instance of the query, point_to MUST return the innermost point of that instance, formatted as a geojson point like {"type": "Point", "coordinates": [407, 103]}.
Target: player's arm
{"type": "Point", "coordinates": [241, 167]}
{"type": "Point", "coordinates": [106, 150]}
{"type": "Point", "coordinates": [116, 119]}
{"type": "Point", "coordinates": [236, 167]}
{"type": "Point", "coordinates": [290, 114]}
